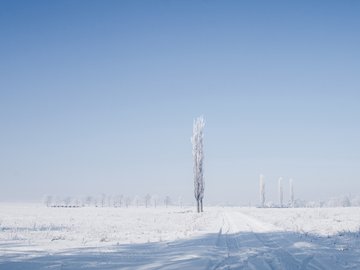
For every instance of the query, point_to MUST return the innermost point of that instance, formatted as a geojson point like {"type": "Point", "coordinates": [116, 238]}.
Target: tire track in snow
{"type": "Point", "coordinates": [236, 255]}
{"type": "Point", "coordinates": [249, 245]}
{"type": "Point", "coordinates": [285, 259]}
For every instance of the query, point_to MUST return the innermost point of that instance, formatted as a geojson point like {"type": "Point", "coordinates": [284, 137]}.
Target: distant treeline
{"type": "Point", "coordinates": [339, 201]}
{"type": "Point", "coordinates": [110, 201]}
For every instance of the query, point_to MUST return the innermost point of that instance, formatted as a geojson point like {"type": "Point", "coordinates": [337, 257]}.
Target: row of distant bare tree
{"type": "Point", "coordinates": [110, 201]}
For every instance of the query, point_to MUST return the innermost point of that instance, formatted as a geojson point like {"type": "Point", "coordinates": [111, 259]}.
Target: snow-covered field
{"type": "Point", "coordinates": [35, 237]}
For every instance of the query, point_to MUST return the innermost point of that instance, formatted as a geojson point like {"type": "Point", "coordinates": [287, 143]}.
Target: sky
{"type": "Point", "coordinates": [100, 96]}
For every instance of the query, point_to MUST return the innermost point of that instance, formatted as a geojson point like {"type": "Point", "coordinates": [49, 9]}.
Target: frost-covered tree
{"type": "Point", "coordinates": [339, 201]}
{"type": "Point", "coordinates": [262, 191]}
{"type": "Point", "coordinates": [167, 201]}
{"type": "Point", "coordinates": [345, 202]}
{"type": "Point", "coordinates": [95, 202]}
{"type": "Point", "coordinates": [198, 156]}
{"type": "Point", "coordinates": [77, 202]}
{"type": "Point", "coordinates": [180, 201]}
{"type": "Point", "coordinates": [67, 201]}
{"type": "Point", "coordinates": [48, 200]}
{"type": "Point", "coordinates": [89, 200]}
{"type": "Point", "coordinates": [103, 200]}
{"type": "Point", "coordinates": [355, 201]}
{"type": "Point", "coordinates": [109, 201]}
{"type": "Point", "coordinates": [280, 186]}
{"type": "Point", "coordinates": [154, 199]}
{"type": "Point", "coordinates": [118, 200]}
{"type": "Point", "coordinates": [127, 202]}
{"type": "Point", "coordinates": [136, 201]}
{"type": "Point", "coordinates": [147, 200]}
{"type": "Point", "coordinates": [57, 201]}
{"type": "Point", "coordinates": [292, 198]}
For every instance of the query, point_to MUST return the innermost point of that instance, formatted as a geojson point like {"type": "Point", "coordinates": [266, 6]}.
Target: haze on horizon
{"type": "Point", "coordinates": [99, 97]}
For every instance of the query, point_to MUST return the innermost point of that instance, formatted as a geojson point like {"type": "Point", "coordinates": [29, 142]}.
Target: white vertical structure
{"type": "Point", "coordinates": [292, 199]}
{"type": "Point", "coordinates": [280, 192]}
{"type": "Point", "coordinates": [262, 191]}
{"type": "Point", "coordinates": [198, 156]}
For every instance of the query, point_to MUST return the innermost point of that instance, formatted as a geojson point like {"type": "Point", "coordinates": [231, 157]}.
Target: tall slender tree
{"type": "Point", "coordinates": [262, 191]}
{"type": "Point", "coordinates": [281, 195]}
{"type": "Point", "coordinates": [292, 197]}
{"type": "Point", "coordinates": [198, 156]}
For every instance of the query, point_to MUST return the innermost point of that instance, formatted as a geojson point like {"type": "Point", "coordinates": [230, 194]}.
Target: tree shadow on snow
{"type": "Point", "coordinates": [243, 250]}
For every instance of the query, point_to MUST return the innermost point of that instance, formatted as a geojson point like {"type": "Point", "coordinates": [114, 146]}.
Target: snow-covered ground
{"type": "Point", "coordinates": [35, 237]}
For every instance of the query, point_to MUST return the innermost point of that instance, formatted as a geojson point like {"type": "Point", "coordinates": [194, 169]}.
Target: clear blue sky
{"type": "Point", "coordinates": [99, 97]}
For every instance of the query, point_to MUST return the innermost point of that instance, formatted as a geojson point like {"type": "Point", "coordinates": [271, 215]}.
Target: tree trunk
{"type": "Point", "coordinates": [201, 206]}
{"type": "Point", "coordinates": [198, 206]}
